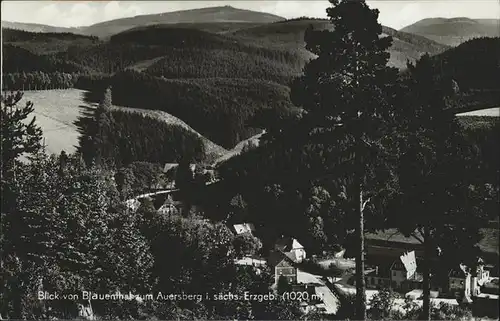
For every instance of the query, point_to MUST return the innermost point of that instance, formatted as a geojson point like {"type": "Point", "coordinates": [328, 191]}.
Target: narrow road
{"type": "Point", "coordinates": [331, 302]}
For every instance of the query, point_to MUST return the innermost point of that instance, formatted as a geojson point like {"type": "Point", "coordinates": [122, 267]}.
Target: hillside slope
{"type": "Point", "coordinates": [203, 15]}
{"type": "Point", "coordinates": [290, 35]}
{"type": "Point", "coordinates": [211, 148]}
{"type": "Point", "coordinates": [454, 31]}
{"type": "Point", "coordinates": [45, 42]}
{"type": "Point", "coordinates": [35, 27]}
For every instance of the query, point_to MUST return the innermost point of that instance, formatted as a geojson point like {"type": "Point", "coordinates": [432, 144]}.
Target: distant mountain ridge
{"type": "Point", "coordinates": [202, 15]}
{"type": "Point", "coordinates": [36, 27]}
{"type": "Point", "coordinates": [454, 31]}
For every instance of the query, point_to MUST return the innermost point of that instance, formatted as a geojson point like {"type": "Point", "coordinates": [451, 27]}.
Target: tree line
{"type": "Point", "coordinates": [15, 35]}
{"type": "Point", "coordinates": [38, 80]}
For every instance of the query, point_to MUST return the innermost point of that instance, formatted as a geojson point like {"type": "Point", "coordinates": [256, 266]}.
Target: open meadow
{"type": "Point", "coordinates": [56, 111]}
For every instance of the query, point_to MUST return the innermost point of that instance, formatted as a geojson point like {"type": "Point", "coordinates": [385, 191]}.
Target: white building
{"type": "Point", "coordinates": [244, 228]}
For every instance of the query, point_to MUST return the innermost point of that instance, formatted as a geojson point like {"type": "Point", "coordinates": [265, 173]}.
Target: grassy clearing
{"type": "Point", "coordinates": [55, 112]}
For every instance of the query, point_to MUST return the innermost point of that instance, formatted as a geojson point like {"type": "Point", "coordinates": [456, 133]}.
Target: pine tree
{"type": "Point", "coordinates": [441, 188]}
{"type": "Point", "coordinates": [18, 138]}
{"type": "Point", "coordinates": [346, 92]}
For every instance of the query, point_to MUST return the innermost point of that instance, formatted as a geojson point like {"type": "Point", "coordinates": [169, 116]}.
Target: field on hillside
{"type": "Point", "coordinates": [56, 111]}
{"type": "Point", "coordinates": [492, 112]}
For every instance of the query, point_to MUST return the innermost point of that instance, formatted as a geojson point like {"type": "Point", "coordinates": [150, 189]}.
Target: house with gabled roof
{"type": "Point", "coordinates": [399, 278]}
{"type": "Point", "coordinates": [291, 245]}
{"type": "Point", "coordinates": [283, 265]}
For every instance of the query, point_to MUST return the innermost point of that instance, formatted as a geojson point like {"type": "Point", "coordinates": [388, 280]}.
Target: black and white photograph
{"type": "Point", "coordinates": [250, 160]}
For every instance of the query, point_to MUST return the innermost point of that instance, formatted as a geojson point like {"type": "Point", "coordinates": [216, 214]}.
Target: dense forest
{"type": "Point", "coordinates": [17, 59]}
{"type": "Point", "coordinates": [45, 43]}
{"type": "Point", "coordinates": [219, 63]}
{"type": "Point", "coordinates": [216, 107]}
{"type": "Point", "coordinates": [473, 64]}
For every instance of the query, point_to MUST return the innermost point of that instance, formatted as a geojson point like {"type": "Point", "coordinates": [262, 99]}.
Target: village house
{"type": "Point", "coordinates": [244, 228]}
{"type": "Point", "coordinates": [169, 207]}
{"type": "Point", "coordinates": [291, 246]}
{"type": "Point", "coordinates": [283, 265]}
{"type": "Point", "coordinates": [395, 276]}
{"type": "Point", "coordinates": [399, 280]}
{"type": "Point", "coordinates": [378, 278]}
{"type": "Point", "coordinates": [470, 283]}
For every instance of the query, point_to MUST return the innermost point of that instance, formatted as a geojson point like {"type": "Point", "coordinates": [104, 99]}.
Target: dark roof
{"type": "Point", "coordinates": [275, 257]}
{"type": "Point", "coordinates": [291, 256]}
{"type": "Point", "coordinates": [457, 271]}
{"type": "Point", "coordinates": [284, 244]}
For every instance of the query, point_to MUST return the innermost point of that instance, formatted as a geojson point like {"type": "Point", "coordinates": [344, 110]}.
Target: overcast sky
{"type": "Point", "coordinates": [393, 13]}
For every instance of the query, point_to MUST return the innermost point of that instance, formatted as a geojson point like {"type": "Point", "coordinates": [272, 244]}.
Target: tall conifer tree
{"type": "Point", "coordinates": [347, 93]}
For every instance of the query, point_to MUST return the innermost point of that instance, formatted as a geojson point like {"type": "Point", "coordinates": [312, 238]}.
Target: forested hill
{"type": "Point", "coordinates": [454, 31]}
{"type": "Point", "coordinates": [215, 75]}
